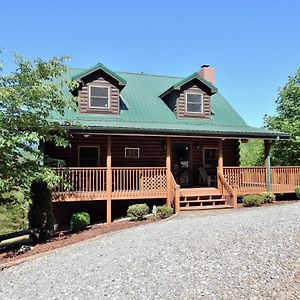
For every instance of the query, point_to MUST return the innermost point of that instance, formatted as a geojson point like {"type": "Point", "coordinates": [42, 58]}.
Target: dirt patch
{"type": "Point", "coordinates": [66, 238]}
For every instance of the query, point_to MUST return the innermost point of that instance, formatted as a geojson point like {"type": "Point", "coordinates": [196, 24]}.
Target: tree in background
{"type": "Point", "coordinates": [252, 153]}
{"type": "Point", "coordinates": [28, 97]}
{"type": "Point", "coordinates": [287, 120]}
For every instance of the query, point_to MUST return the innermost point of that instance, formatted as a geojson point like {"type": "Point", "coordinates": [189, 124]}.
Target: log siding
{"type": "Point", "coordinates": [101, 80]}
{"type": "Point", "coordinates": [152, 151]}
{"type": "Point", "coordinates": [181, 104]}
{"type": "Point", "coordinates": [177, 101]}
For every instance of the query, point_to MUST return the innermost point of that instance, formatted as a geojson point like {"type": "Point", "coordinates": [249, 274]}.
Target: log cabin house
{"type": "Point", "coordinates": [158, 137]}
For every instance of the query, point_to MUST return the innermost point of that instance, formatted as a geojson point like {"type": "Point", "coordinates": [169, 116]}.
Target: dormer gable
{"type": "Point", "coordinates": [190, 97]}
{"type": "Point", "coordinates": [99, 90]}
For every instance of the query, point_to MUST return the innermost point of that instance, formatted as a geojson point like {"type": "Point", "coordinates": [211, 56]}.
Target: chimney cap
{"type": "Point", "coordinates": [205, 66]}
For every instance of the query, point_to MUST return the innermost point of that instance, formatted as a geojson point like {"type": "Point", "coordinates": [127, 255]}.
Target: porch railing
{"type": "Point", "coordinates": [81, 180]}
{"type": "Point", "coordinates": [246, 179]}
{"type": "Point", "coordinates": [255, 179]}
{"type": "Point", "coordinates": [140, 181]}
{"type": "Point", "coordinates": [285, 179]}
{"type": "Point", "coordinates": [127, 183]}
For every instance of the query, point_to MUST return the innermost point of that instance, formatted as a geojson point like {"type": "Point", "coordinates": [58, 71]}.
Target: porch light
{"type": "Point", "coordinates": [86, 135]}
{"type": "Point", "coordinates": [197, 146]}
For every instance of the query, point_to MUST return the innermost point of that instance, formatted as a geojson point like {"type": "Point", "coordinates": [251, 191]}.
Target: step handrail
{"type": "Point", "coordinates": [225, 184]}
{"type": "Point", "coordinates": [175, 193]}
{"type": "Point", "coordinates": [232, 193]}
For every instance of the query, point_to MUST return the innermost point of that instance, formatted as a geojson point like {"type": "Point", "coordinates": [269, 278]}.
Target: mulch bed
{"type": "Point", "coordinates": [66, 238]}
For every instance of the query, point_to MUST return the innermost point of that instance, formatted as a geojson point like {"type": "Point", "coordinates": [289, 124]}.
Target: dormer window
{"type": "Point", "coordinates": [99, 97]}
{"type": "Point", "coordinates": [194, 103]}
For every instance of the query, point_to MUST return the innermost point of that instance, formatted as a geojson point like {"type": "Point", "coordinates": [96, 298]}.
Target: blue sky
{"type": "Point", "coordinates": [254, 45]}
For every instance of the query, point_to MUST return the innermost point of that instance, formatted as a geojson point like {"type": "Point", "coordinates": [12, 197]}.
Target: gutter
{"type": "Point", "coordinates": [220, 135]}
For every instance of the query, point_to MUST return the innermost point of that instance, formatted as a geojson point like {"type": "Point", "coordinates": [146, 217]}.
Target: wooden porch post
{"type": "Point", "coordinates": [177, 200]}
{"type": "Point", "coordinates": [108, 181]}
{"type": "Point", "coordinates": [220, 161]}
{"type": "Point", "coordinates": [168, 174]}
{"type": "Point", "coordinates": [267, 147]}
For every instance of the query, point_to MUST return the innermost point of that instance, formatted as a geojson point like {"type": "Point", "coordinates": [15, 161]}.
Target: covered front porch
{"type": "Point", "coordinates": [188, 172]}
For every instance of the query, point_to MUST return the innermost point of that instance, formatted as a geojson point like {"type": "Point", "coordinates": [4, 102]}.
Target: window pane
{"type": "Point", "coordinates": [88, 151]}
{"type": "Point", "coordinates": [191, 107]}
{"type": "Point", "coordinates": [99, 91]}
{"type": "Point", "coordinates": [194, 98]}
{"type": "Point", "coordinates": [99, 102]}
{"type": "Point", "coordinates": [132, 152]}
{"type": "Point", "coordinates": [88, 157]}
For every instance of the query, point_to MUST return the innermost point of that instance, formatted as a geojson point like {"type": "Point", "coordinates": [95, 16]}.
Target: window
{"type": "Point", "coordinates": [88, 156]}
{"type": "Point", "coordinates": [132, 152]}
{"type": "Point", "coordinates": [99, 97]}
{"type": "Point", "coordinates": [193, 103]}
{"type": "Point", "coordinates": [210, 157]}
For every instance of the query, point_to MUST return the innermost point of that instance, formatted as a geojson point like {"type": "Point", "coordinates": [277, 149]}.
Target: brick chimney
{"type": "Point", "coordinates": [208, 73]}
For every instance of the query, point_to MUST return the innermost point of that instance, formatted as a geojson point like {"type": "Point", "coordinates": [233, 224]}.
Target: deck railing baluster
{"type": "Point", "coordinates": [253, 179]}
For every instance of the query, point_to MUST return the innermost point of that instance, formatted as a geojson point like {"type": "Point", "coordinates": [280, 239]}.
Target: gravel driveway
{"type": "Point", "coordinates": [237, 254]}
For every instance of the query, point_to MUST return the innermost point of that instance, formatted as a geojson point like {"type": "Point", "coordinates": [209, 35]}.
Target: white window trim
{"type": "Point", "coordinates": [132, 148]}
{"type": "Point", "coordinates": [108, 94]}
{"type": "Point", "coordinates": [194, 112]}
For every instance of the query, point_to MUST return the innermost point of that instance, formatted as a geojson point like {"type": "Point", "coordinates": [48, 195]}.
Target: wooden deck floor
{"type": "Point", "coordinates": [117, 195]}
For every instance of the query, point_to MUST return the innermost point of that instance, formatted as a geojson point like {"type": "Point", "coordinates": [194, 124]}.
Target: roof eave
{"type": "Point", "coordinates": [178, 85]}
{"type": "Point", "coordinates": [99, 66]}
{"type": "Point", "coordinates": [215, 134]}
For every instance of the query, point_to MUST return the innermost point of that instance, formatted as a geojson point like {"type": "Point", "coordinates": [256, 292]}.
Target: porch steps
{"type": "Point", "coordinates": [206, 207]}
{"type": "Point", "coordinates": [201, 198]}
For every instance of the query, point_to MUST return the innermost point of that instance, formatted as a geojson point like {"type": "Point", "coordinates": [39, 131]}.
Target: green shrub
{"type": "Point", "coordinates": [253, 200]}
{"type": "Point", "coordinates": [80, 221]}
{"type": "Point", "coordinates": [268, 197]}
{"type": "Point", "coordinates": [164, 211]}
{"type": "Point", "coordinates": [297, 191]}
{"type": "Point", "coordinates": [137, 212]}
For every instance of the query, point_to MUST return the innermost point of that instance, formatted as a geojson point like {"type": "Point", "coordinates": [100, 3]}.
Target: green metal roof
{"type": "Point", "coordinates": [142, 110]}
{"type": "Point", "coordinates": [99, 66]}
{"type": "Point", "coordinates": [183, 81]}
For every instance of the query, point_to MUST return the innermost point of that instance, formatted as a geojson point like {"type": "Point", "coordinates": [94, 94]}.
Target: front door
{"type": "Point", "coordinates": [210, 163]}
{"type": "Point", "coordinates": [181, 164]}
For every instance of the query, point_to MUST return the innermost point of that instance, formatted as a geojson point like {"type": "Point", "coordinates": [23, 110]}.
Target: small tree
{"type": "Point", "coordinates": [40, 214]}
{"type": "Point", "coordinates": [287, 120]}
{"type": "Point", "coordinates": [33, 100]}
{"type": "Point", "coordinates": [252, 153]}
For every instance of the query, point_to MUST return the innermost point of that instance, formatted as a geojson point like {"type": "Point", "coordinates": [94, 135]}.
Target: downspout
{"type": "Point", "coordinates": [267, 146]}
{"type": "Point", "coordinates": [269, 173]}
